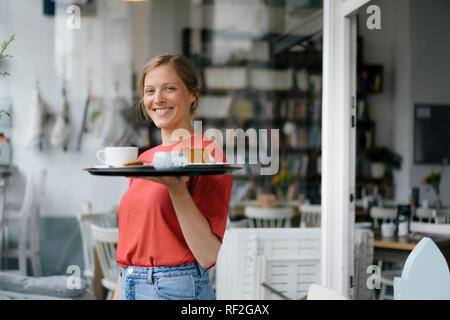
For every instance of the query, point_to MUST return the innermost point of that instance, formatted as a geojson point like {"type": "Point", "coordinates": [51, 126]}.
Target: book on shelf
{"type": "Point", "coordinates": [303, 138]}
{"type": "Point", "coordinates": [293, 140]}
{"type": "Point", "coordinates": [214, 106]}
{"type": "Point", "coordinates": [304, 167]}
{"type": "Point", "coordinates": [294, 109]}
{"type": "Point", "coordinates": [268, 79]}
{"type": "Point", "coordinates": [316, 81]}
{"type": "Point", "coordinates": [316, 109]}
{"type": "Point", "coordinates": [226, 78]}
{"type": "Point", "coordinates": [243, 109]}
{"type": "Point", "coordinates": [314, 137]}
{"type": "Point", "coordinates": [298, 165]}
{"type": "Point", "coordinates": [260, 51]}
{"type": "Point", "coordinates": [267, 110]}
{"type": "Point", "coordinates": [302, 79]}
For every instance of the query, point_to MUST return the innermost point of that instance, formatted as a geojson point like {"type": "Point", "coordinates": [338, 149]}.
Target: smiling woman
{"type": "Point", "coordinates": [169, 234]}
{"type": "Point", "coordinates": [180, 75]}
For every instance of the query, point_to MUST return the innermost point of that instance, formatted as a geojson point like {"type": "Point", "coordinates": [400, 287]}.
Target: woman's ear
{"type": "Point", "coordinates": [194, 97]}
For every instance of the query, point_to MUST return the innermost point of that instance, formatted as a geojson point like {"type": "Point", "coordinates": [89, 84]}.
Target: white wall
{"type": "Point", "coordinates": [430, 73]}
{"type": "Point", "coordinates": [412, 49]}
{"type": "Point", "coordinates": [33, 51]}
{"type": "Point", "coordinates": [391, 109]}
{"type": "Point", "coordinates": [167, 20]}
{"type": "Point", "coordinates": [113, 44]}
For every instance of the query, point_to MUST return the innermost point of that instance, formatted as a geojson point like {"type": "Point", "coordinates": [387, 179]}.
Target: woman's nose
{"type": "Point", "coordinates": [159, 96]}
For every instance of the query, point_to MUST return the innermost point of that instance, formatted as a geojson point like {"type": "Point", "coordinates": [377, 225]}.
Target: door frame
{"type": "Point", "coordinates": [339, 144]}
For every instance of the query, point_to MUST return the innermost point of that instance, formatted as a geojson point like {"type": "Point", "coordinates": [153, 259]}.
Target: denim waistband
{"type": "Point", "coordinates": [164, 271]}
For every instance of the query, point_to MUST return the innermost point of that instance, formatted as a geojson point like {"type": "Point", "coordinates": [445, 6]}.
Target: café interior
{"type": "Point", "coordinates": [360, 185]}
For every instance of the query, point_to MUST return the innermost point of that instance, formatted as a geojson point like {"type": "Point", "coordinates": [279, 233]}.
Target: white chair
{"type": "Point", "coordinates": [424, 214]}
{"type": "Point", "coordinates": [386, 215]}
{"type": "Point", "coordinates": [269, 217]}
{"type": "Point", "coordinates": [310, 215]}
{"type": "Point", "coordinates": [29, 214]}
{"type": "Point", "coordinates": [105, 240]}
{"type": "Point", "coordinates": [318, 292]}
{"type": "Point", "coordinates": [425, 275]}
{"type": "Point", "coordinates": [268, 263]}
{"type": "Point", "coordinates": [85, 220]}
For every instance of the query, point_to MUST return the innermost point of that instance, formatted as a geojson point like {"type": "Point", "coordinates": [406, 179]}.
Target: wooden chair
{"type": "Point", "coordinates": [105, 240]}
{"type": "Point", "coordinates": [310, 215]}
{"type": "Point", "coordinates": [27, 219]}
{"type": "Point", "coordinates": [269, 217]}
{"type": "Point", "coordinates": [425, 275]}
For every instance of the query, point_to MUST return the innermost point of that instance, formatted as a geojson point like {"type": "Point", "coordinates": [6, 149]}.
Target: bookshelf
{"type": "Point", "coordinates": [260, 89]}
{"type": "Point", "coordinates": [369, 82]}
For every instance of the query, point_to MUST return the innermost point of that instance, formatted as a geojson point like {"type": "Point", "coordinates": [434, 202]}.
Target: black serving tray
{"type": "Point", "coordinates": [146, 170]}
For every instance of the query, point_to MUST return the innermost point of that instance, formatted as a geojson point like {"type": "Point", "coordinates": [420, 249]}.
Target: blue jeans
{"type": "Point", "coordinates": [185, 282]}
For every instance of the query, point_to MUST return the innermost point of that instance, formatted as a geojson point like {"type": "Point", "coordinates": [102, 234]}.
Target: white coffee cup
{"type": "Point", "coordinates": [387, 230]}
{"type": "Point", "coordinates": [117, 156]}
{"type": "Point", "coordinates": [169, 160]}
{"type": "Point", "coordinates": [403, 229]}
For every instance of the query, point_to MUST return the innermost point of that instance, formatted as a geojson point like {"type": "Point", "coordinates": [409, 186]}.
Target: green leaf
{"type": "Point", "coordinates": [7, 113]}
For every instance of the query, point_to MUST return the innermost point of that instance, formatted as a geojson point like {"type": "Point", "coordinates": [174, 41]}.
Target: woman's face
{"type": "Point", "coordinates": [167, 100]}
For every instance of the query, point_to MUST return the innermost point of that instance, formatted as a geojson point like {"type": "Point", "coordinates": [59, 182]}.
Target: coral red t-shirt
{"type": "Point", "coordinates": [149, 232]}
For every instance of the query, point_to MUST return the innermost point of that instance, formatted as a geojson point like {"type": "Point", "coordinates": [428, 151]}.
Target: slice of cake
{"type": "Point", "coordinates": [197, 155]}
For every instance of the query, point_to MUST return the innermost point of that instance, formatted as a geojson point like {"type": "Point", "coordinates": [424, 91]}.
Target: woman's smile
{"type": "Point", "coordinates": [162, 111]}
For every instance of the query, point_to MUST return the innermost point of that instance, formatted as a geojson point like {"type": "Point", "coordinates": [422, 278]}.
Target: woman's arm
{"type": "Point", "coordinates": [203, 243]}
{"type": "Point", "coordinates": [117, 291]}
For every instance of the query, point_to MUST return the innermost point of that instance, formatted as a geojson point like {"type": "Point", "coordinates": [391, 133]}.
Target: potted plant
{"type": "Point", "coordinates": [3, 55]}
{"type": "Point", "coordinates": [434, 180]}
{"type": "Point", "coordinates": [381, 159]}
{"type": "Point", "coordinates": [282, 181]}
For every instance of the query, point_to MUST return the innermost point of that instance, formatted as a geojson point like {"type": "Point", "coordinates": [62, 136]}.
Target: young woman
{"type": "Point", "coordinates": [171, 228]}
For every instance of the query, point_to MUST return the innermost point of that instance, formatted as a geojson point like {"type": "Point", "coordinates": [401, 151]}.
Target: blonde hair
{"type": "Point", "coordinates": [184, 69]}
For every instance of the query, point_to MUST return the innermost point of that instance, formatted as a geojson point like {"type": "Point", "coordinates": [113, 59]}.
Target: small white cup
{"type": "Point", "coordinates": [117, 156]}
{"type": "Point", "coordinates": [169, 160]}
{"type": "Point", "coordinates": [387, 230]}
{"type": "Point", "coordinates": [403, 229]}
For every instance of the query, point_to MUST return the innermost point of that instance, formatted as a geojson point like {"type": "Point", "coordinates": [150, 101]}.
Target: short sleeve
{"type": "Point", "coordinates": [212, 194]}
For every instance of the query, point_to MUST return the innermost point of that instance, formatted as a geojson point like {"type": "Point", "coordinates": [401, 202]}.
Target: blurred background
{"type": "Point", "coordinates": [71, 87]}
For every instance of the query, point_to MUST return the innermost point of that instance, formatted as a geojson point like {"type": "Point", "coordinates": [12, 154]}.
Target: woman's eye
{"type": "Point", "coordinates": [148, 91]}
{"type": "Point", "coordinates": [170, 88]}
